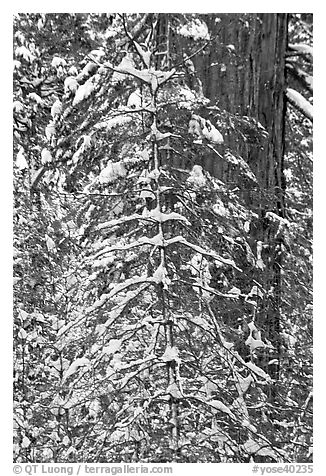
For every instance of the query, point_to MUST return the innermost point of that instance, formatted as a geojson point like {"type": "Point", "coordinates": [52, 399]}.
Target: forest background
{"type": "Point", "coordinates": [318, 202]}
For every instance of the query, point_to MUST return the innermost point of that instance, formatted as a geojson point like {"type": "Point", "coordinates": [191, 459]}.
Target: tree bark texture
{"type": "Point", "coordinates": [243, 73]}
{"type": "Point", "coordinates": [249, 80]}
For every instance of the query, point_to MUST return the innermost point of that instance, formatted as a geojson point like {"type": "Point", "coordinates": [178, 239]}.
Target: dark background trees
{"type": "Point", "coordinates": [162, 237]}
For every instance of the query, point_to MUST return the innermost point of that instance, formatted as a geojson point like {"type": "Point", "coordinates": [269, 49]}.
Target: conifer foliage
{"type": "Point", "coordinates": [137, 278]}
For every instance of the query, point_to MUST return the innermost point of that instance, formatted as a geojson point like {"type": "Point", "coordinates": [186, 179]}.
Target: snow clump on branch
{"type": "Point", "coordinates": [126, 63]}
{"type": "Point", "coordinates": [83, 92]}
{"type": "Point", "coordinates": [195, 29]}
{"type": "Point", "coordinates": [112, 172]}
{"type": "Point", "coordinates": [196, 177]}
{"type": "Point", "coordinates": [70, 85]}
{"type": "Point", "coordinates": [203, 128]}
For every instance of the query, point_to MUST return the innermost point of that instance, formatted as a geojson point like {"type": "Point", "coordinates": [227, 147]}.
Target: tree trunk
{"type": "Point", "coordinates": [243, 73]}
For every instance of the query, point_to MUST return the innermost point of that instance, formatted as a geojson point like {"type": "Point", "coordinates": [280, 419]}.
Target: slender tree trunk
{"type": "Point", "coordinates": [163, 45]}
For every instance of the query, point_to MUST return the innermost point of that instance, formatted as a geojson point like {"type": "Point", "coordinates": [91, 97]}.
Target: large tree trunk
{"type": "Point", "coordinates": [248, 79]}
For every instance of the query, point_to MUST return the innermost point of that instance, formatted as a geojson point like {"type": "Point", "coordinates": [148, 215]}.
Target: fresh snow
{"type": "Point", "coordinates": [196, 176]}
{"type": "Point", "coordinates": [254, 293]}
{"type": "Point", "coordinates": [161, 276]}
{"type": "Point", "coordinates": [280, 221]}
{"type": "Point", "coordinates": [89, 69]}
{"type": "Point", "coordinates": [70, 85]}
{"type": "Point", "coordinates": [83, 92]}
{"type": "Point", "coordinates": [260, 449]}
{"type": "Point", "coordinates": [112, 347]}
{"type": "Point", "coordinates": [73, 71]}
{"type": "Point", "coordinates": [97, 54]}
{"type": "Point", "coordinates": [170, 354]}
{"type": "Point", "coordinates": [258, 371]}
{"type": "Point", "coordinates": [18, 106]}
{"type": "Point", "coordinates": [174, 391]}
{"type": "Point", "coordinates": [254, 343]}
{"type": "Point", "coordinates": [24, 53]}
{"type": "Point", "coordinates": [161, 217]}
{"type": "Point", "coordinates": [113, 122]}
{"type": "Point", "coordinates": [235, 292]}
{"type": "Point", "coordinates": [157, 240]}
{"type": "Point", "coordinates": [21, 161]}
{"type": "Point", "coordinates": [144, 54]}
{"type": "Point", "coordinates": [46, 156]}
{"type": "Point", "coordinates": [195, 29]}
{"type": "Point", "coordinates": [50, 243]}
{"type": "Point", "coordinates": [112, 172]}
{"type": "Point", "coordinates": [26, 442]}
{"type": "Point", "coordinates": [77, 364]}
{"type": "Point", "coordinates": [57, 61]}
{"type": "Point", "coordinates": [50, 131]}
{"type": "Point", "coordinates": [218, 405]}
{"type": "Point", "coordinates": [153, 78]}
{"type": "Point", "coordinates": [243, 384]}
{"type": "Point", "coordinates": [188, 95]}
{"type": "Point", "coordinates": [135, 100]}
{"type": "Point", "coordinates": [152, 215]}
{"type": "Point", "coordinates": [198, 249]}
{"type": "Point", "coordinates": [56, 108]}
{"type": "Point", "coordinates": [35, 97]}
{"type": "Point", "coordinates": [203, 128]}
{"type": "Point", "coordinates": [126, 63]}
{"type": "Point", "coordinates": [300, 102]}
{"type": "Point", "coordinates": [301, 48]}
{"type": "Point", "coordinates": [22, 334]}
{"type": "Point", "coordinates": [103, 262]}
{"type": "Point", "coordinates": [219, 208]}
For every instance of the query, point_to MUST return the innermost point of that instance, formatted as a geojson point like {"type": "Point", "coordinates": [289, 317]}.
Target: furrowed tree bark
{"type": "Point", "coordinates": [163, 38]}
{"type": "Point", "coordinates": [244, 73]}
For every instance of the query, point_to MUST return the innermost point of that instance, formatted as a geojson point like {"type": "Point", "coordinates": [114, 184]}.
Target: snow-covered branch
{"type": "Point", "coordinates": [144, 240]}
{"type": "Point", "coordinates": [198, 249]}
{"type": "Point", "coordinates": [145, 75]}
{"type": "Point", "coordinates": [154, 216]}
{"type": "Point", "coordinates": [300, 103]}
{"type": "Point", "coordinates": [301, 49]}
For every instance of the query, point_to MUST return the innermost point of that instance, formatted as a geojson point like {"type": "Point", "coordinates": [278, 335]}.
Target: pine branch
{"type": "Point", "coordinates": [300, 103]}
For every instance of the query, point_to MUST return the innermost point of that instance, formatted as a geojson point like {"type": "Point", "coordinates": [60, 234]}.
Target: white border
{"type": "Point", "coordinates": [319, 201]}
